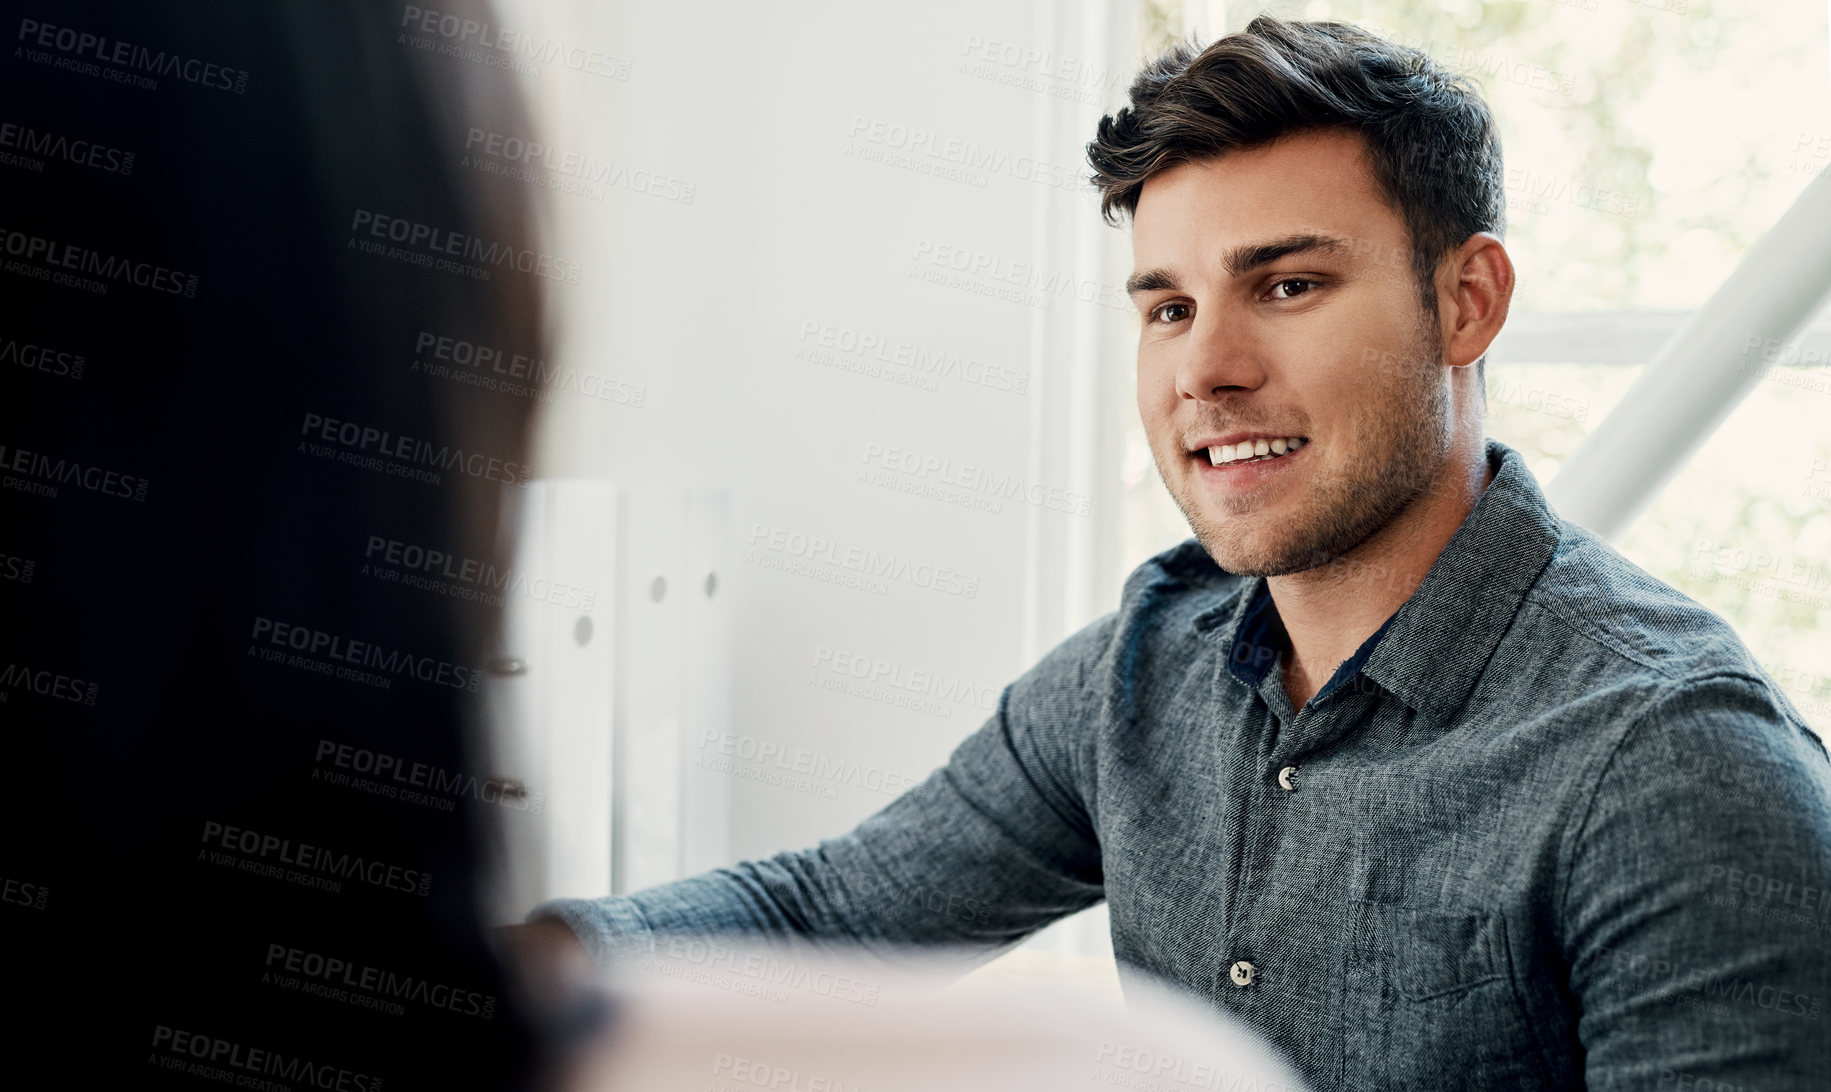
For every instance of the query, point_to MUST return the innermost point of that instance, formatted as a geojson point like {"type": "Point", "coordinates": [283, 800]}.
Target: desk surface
{"type": "Point", "coordinates": [712, 1020]}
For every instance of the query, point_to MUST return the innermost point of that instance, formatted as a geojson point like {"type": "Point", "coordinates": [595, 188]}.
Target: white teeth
{"type": "Point", "coordinates": [1256, 450]}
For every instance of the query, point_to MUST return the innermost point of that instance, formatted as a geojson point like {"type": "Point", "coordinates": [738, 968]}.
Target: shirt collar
{"type": "Point", "coordinates": [1431, 651]}
{"type": "Point", "coordinates": [1260, 637]}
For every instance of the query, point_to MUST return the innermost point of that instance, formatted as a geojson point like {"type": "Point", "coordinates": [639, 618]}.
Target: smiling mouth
{"type": "Point", "coordinates": [1252, 451]}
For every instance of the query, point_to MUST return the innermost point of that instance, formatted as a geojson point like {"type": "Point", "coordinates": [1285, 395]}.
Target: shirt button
{"type": "Point", "coordinates": [1242, 973]}
{"type": "Point", "coordinates": [1284, 779]}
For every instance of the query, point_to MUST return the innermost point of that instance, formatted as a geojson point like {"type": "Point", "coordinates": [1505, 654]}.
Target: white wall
{"type": "Point", "coordinates": [779, 116]}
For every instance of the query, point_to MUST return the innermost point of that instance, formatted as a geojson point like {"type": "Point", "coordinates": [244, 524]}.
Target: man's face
{"type": "Point", "coordinates": [1279, 304]}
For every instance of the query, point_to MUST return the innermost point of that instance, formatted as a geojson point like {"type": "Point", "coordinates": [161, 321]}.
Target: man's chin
{"type": "Point", "coordinates": [1251, 554]}
{"type": "Point", "coordinates": [1275, 538]}
{"type": "Point", "coordinates": [1246, 558]}
{"type": "Point", "coordinates": [1258, 564]}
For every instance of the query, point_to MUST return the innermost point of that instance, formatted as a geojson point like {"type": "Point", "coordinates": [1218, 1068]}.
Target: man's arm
{"type": "Point", "coordinates": [990, 847]}
{"type": "Point", "coordinates": [1695, 914]}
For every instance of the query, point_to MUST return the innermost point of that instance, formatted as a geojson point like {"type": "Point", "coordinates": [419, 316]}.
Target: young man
{"type": "Point", "coordinates": [1426, 785]}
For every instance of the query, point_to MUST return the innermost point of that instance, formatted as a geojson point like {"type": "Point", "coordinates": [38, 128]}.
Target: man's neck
{"type": "Point", "coordinates": [1330, 611]}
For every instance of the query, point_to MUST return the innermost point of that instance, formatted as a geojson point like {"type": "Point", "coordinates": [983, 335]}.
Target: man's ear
{"type": "Point", "coordinates": [1474, 289]}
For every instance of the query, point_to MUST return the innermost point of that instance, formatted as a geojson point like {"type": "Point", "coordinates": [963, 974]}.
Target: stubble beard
{"type": "Point", "coordinates": [1410, 437]}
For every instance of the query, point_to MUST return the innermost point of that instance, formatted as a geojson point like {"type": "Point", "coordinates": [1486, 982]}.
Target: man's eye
{"type": "Point", "coordinates": [1170, 312]}
{"type": "Point", "coordinates": [1291, 287]}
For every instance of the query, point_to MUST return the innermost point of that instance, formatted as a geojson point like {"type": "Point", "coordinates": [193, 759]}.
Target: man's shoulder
{"type": "Point", "coordinates": [1638, 623]}
{"type": "Point", "coordinates": [1623, 639]}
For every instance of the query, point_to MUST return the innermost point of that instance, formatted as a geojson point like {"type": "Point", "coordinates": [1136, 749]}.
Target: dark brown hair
{"type": "Point", "coordinates": [1430, 139]}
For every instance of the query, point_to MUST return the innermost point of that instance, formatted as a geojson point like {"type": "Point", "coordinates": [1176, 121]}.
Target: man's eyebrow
{"type": "Point", "coordinates": [1151, 280]}
{"type": "Point", "coordinates": [1250, 256]}
{"type": "Point", "coordinates": [1244, 259]}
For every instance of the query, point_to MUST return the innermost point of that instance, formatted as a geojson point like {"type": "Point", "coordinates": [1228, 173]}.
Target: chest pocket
{"type": "Point", "coordinates": [1430, 954]}
{"type": "Point", "coordinates": [1431, 1002]}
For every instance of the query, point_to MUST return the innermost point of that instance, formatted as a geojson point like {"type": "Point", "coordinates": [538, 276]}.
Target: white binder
{"type": "Point", "coordinates": [611, 661]}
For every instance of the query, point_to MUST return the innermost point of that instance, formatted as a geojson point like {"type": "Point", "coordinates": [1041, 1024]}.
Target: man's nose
{"type": "Point", "coordinates": [1218, 359]}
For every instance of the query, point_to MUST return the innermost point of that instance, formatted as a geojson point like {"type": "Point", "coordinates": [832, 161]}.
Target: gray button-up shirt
{"type": "Point", "coordinates": [1551, 827]}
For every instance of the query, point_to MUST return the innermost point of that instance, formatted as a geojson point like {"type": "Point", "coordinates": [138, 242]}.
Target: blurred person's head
{"type": "Point", "coordinates": [222, 264]}
{"type": "Point", "coordinates": [1316, 218]}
